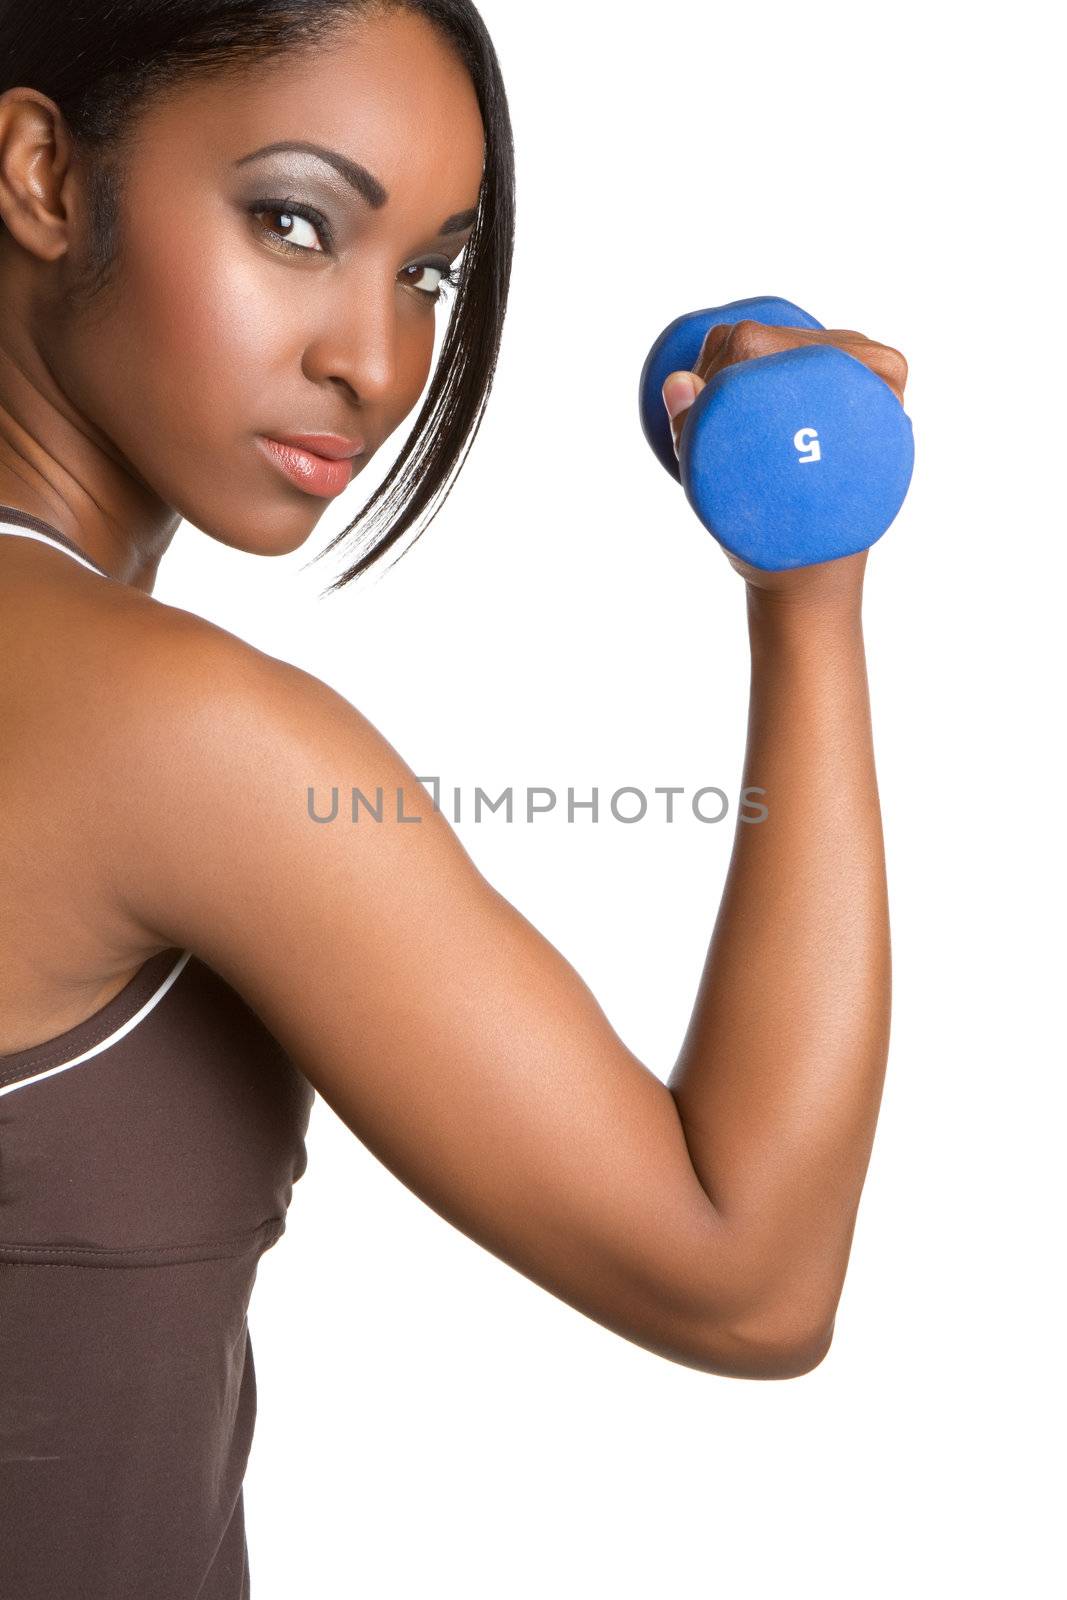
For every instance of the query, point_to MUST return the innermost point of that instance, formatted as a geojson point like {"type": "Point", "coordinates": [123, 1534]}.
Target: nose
{"type": "Point", "coordinates": [360, 346]}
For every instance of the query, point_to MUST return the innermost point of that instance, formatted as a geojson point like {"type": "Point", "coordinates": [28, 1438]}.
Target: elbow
{"type": "Point", "coordinates": [766, 1347]}
{"type": "Point", "coordinates": [792, 1359]}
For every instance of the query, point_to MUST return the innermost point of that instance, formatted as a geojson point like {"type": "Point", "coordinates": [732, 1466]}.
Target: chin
{"type": "Point", "coordinates": [262, 531]}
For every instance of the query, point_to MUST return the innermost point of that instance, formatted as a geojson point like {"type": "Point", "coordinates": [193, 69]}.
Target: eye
{"type": "Point", "coordinates": [443, 280]}
{"type": "Point", "coordinates": [299, 224]}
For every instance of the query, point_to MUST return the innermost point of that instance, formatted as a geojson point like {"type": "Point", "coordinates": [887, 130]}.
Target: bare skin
{"type": "Point", "coordinates": [155, 786]}
{"type": "Point", "coordinates": [117, 422]}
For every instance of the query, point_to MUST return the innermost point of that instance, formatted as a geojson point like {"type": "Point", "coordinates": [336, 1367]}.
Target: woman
{"type": "Point", "coordinates": [225, 230]}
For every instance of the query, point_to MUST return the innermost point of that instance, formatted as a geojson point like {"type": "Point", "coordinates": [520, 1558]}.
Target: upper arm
{"type": "Point", "coordinates": [451, 1037]}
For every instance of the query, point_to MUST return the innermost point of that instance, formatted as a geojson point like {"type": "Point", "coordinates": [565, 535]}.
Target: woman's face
{"type": "Point", "coordinates": [232, 317]}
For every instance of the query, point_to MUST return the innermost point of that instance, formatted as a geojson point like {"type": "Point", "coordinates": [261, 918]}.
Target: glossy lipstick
{"type": "Point", "coordinates": [320, 464]}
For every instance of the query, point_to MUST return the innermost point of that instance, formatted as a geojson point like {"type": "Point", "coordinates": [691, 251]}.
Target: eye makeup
{"type": "Point", "coordinates": [283, 204]}
{"type": "Point", "coordinates": [287, 206]}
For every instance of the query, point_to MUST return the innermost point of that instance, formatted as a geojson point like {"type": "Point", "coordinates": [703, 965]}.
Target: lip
{"type": "Point", "coordinates": [333, 446]}
{"type": "Point", "coordinates": [319, 463]}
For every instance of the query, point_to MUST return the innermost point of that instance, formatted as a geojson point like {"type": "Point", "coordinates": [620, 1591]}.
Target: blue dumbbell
{"type": "Point", "coordinates": [787, 459]}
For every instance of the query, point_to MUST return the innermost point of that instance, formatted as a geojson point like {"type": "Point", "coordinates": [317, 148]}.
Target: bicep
{"type": "Point", "coordinates": [453, 1039]}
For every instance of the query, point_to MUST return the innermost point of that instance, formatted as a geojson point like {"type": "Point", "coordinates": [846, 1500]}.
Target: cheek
{"type": "Point", "coordinates": [172, 356]}
{"type": "Point", "coordinates": [209, 320]}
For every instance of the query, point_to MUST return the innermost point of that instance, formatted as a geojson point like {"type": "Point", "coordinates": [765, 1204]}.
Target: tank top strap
{"type": "Point", "coordinates": [23, 525]}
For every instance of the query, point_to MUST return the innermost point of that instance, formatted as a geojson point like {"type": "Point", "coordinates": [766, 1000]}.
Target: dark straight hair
{"type": "Point", "coordinates": [102, 60]}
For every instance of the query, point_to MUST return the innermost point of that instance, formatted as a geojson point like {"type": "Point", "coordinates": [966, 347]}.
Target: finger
{"type": "Point", "coordinates": [715, 342]}
{"type": "Point", "coordinates": [746, 340]}
{"type": "Point", "coordinates": [889, 364]}
{"type": "Point", "coordinates": [680, 389]}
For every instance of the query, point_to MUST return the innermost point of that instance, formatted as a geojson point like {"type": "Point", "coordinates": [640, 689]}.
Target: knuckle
{"type": "Point", "coordinates": [886, 353]}
{"type": "Point", "coordinates": [898, 361]}
{"type": "Point", "coordinates": [713, 341]}
{"type": "Point", "coordinates": [747, 338]}
{"type": "Point", "coordinates": [890, 365]}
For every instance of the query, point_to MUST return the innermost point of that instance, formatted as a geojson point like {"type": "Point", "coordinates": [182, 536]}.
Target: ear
{"type": "Point", "coordinates": [35, 168]}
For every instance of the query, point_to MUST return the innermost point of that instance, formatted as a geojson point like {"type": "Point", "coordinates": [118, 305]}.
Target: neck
{"type": "Point", "coordinates": [57, 468]}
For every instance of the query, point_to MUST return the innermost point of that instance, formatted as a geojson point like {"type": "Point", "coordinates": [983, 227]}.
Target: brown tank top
{"type": "Point", "coordinates": [147, 1159]}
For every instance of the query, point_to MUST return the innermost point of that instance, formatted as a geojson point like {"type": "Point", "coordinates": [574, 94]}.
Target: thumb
{"type": "Point", "coordinates": [680, 389]}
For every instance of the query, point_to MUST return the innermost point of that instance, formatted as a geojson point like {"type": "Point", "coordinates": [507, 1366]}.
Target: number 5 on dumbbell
{"type": "Point", "coordinates": [788, 459]}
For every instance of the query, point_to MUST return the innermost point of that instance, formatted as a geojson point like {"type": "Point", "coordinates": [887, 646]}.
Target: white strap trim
{"type": "Point", "coordinates": [112, 1038]}
{"type": "Point", "coordinates": [42, 538]}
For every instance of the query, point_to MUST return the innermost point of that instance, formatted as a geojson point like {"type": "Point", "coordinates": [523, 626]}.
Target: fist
{"type": "Point", "coordinates": [727, 343]}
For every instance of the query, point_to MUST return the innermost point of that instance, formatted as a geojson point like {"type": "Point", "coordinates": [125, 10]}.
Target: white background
{"type": "Point", "coordinates": [431, 1422]}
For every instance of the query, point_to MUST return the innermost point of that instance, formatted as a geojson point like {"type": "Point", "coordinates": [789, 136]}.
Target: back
{"type": "Point", "coordinates": [147, 1158]}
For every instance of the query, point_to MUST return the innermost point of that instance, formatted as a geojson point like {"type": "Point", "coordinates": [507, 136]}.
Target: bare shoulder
{"type": "Point", "coordinates": [164, 700]}
{"type": "Point", "coordinates": [233, 773]}
{"type": "Point", "coordinates": [109, 702]}
{"type": "Point", "coordinates": [177, 679]}
{"type": "Point", "coordinates": [173, 654]}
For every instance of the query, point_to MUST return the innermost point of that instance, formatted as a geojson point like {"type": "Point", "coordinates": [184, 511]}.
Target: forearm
{"type": "Point", "coordinates": [779, 1079]}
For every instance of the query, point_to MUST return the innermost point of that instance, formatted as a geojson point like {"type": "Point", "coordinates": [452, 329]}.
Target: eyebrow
{"type": "Point", "coordinates": [357, 176]}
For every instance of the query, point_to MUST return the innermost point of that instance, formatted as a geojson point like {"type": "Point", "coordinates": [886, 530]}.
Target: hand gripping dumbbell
{"type": "Point", "coordinates": [787, 459]}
